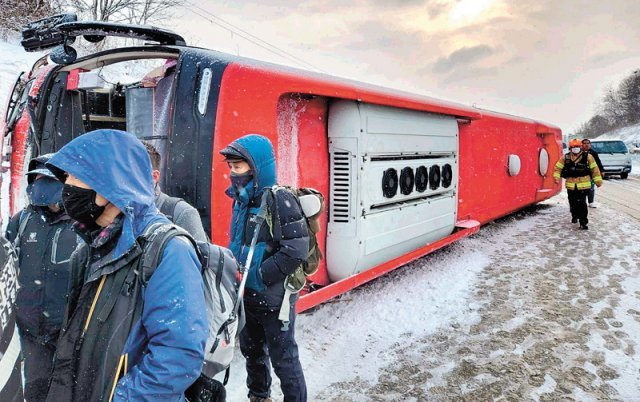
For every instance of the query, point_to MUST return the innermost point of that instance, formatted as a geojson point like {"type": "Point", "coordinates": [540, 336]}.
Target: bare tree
{"type": "Point", "coordinates": [14, 14]}
{"type": "Point", "coordinates": [629, 93]}
{"type": "Point", "coordinates": [618, 107]}
{"type": "Point", "coordinates": [611, 107]}
{"type": "Point", "coordinates": [123, 11]}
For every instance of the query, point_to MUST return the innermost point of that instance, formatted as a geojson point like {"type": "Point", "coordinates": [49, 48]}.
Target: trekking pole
{"type": "Point", "coordinates": [259, 219]}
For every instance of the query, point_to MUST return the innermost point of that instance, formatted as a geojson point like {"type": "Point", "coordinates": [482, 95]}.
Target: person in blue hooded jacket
{"type": "Point", "coordinates": [264, 339]}
{"type": "Point", "coordinates": [123, 338]}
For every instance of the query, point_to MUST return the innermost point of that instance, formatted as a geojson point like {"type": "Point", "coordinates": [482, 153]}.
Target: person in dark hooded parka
{"type": "Point", "coordinates": [44, 241]}
{"type": "Point", "coordinates": [123, 339]}
{"type": "Point", "coordinates": [253, 170]}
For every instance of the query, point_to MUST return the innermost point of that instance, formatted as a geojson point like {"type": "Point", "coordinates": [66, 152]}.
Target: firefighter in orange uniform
{"type": "Point", "coordinates": [578, 168]}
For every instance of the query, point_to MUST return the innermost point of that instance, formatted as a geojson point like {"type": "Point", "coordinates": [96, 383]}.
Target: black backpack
{"type": "Point", "coordinates": [295, 282]}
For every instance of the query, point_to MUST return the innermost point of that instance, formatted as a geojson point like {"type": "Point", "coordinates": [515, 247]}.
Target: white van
{"type": "Point", "coordinates": [614, 155]}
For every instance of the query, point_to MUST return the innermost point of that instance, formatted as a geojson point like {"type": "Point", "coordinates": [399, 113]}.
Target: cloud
{"type": "Point", "coordinates": [545, 59]}
{"type": "Point", "coordinates": [467, 73]}
{"type": "Point", "coordinates": [436, 8]}
{"type": "Point", "coordinates": [314, 6]}
{"type": "Point", "coordinates": [607, 58]}
{"type": "Point", "coordinates": [462, 57]}
{"type": "Point", "coordinates": [385, 36]}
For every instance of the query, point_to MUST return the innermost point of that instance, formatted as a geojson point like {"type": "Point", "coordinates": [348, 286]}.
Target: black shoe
{"type": "Point", "coordinates": [584, 227]}
{"type": "Point", "coordinates": [574, 220]}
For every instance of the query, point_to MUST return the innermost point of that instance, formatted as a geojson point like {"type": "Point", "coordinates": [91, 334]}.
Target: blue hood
{"type": "Point", "coordinates": [116, 165]}
{"type": "Point", "coordinates": [258, 152]}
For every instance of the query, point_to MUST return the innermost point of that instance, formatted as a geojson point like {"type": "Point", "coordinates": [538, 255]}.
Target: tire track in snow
{"type": "Point", "coordinates": [559, 319]}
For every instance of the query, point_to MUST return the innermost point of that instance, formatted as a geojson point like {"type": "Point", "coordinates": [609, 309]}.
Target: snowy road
{"type": "Point", "coordinates": [623, 195]}
{"type": "Point", "coordinates": [530, 308]}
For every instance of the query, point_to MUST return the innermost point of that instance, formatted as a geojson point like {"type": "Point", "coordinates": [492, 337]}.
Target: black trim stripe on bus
{"type": "Point", "coordinates": [190, 145]}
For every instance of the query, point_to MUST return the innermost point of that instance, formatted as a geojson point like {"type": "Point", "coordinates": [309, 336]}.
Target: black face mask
{"type": "Point", "coordinates": [80, 204]}
{"type": "Point", "coordinates": [240, 181]}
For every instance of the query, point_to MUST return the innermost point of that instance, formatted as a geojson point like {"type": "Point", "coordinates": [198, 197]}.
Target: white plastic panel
{"type": "Point", "coordinates": [514, 165]}
{"type": "Point", "coordinates": [366, 226]}
{"type": "Point", "coordinates": [543, 162]}
{"type": "Point", "coordinates": [391, 131]}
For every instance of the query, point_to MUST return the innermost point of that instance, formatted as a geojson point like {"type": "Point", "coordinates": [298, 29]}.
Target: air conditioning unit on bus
{"type": "Point", "coordinates": [393, 183]}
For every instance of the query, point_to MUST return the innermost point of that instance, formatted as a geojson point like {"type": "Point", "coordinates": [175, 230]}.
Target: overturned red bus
{"type": "Point", "coordinates": [403, 175]}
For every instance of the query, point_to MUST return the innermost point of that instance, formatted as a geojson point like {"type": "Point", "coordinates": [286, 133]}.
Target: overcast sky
{"type": "Point", "coordinates": [546, 59]}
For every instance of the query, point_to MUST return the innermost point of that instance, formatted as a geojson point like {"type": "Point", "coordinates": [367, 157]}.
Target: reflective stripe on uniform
{"type": "Point", "coordinates": [578, 185]}
{"type": "Point", "coordinates": [558, 168]}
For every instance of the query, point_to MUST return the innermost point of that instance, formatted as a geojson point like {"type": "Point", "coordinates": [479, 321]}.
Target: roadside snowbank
{"type": "Point", "coordinates": [630, 135]}
{"type": "Point", "coordinates": [635, 167]}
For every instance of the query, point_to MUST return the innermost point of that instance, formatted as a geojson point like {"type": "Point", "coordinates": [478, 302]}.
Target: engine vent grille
{"type": "Point", "coordinates": [340, 186]}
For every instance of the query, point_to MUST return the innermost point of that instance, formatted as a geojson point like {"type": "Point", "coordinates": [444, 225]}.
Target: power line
{"type": "Point", "coordinates": [251, 38]}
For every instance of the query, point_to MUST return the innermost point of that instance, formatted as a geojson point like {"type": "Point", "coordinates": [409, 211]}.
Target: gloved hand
{"type": "Point", "coordinates": [254, 280]}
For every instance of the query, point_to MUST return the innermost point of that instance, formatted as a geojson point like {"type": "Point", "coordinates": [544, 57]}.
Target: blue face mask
{"type": "Point", "coordinates": [45, 191]}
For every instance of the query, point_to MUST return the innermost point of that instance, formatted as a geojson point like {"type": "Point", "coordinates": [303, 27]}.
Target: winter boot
{"type": "Point", "coordinates": [574, 220]}
{"type": "Point", "coordinates": [254, 398]}
{"type": "Point", "coordinates": [584, 227]}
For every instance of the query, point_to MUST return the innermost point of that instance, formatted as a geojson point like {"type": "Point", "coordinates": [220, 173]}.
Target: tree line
{"type": "Point", "coordinates": [14, 14]}
{"type": "Point", "coordinates": [619, 107]}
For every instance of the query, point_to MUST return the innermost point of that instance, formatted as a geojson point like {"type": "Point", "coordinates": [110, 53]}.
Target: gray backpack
{"type": "Point", "coordinates": [220, 275]}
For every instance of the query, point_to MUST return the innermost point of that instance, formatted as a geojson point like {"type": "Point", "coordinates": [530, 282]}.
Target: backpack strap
{"type": "Point", "coordinates": [273, 220]}
{"type": "Point", "coordinates": [168, 207]}
{"type": "Point", "coordinates": [22, 225]}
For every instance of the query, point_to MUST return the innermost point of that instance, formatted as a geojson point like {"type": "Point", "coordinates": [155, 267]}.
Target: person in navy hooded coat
{"type": "Point", "coordinates": [44, 240]}
{"type": "Point", "coordinates": [123, 339]}
{"type": "Point", "coordinates": [264, 338]}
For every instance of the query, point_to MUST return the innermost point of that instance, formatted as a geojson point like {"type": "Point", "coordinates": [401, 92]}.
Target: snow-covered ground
{"type": "Point", "coordinates": [13, 60]}
{"type": "Point", "coordinates": [530, 308]}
